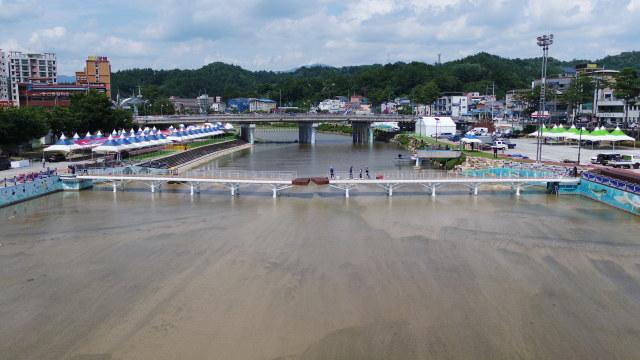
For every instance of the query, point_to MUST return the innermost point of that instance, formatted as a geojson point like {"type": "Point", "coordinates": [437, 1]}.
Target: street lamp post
{"type": "Point", "coordinates": [161, 107]}
{"type": "Point", "coordinates": [544, 41]}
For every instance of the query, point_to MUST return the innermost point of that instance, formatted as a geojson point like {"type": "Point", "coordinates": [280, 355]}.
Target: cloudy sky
{"type": "Point", "coordinates": [280, 35]}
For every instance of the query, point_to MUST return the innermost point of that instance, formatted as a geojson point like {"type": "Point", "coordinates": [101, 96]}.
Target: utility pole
{"type": "Point", "coordinates": [544, 41]}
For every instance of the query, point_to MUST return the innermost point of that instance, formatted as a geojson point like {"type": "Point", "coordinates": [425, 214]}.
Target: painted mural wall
{"type": "Point", "coordinates": [611, 196]}
{"type": "Point", "coordinates": [30, 189]}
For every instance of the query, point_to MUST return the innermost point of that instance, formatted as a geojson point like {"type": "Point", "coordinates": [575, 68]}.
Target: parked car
{"type": "Point", "coordinates": [604, 158]}
{"type": "Point", "coordinates": [590, 143]}
{"type": "Point", "coordinates": [442, 135]}
{"type": "Point", "coordinates": [632, 125]}
{"type": "Point", "coordinates": [55, 157]}
{"type": "Point", "coordinates": [454, 138]}
{"type": "Point", "coordinates": [5, 164]}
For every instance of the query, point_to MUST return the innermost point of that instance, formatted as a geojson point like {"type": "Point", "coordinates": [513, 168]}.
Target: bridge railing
{"type": "Point", "coordinates": [195, 174]}
{"type": "Point", "coordinates": [504, 175]}
{"type": "Point", "coordinates": [242, 174]}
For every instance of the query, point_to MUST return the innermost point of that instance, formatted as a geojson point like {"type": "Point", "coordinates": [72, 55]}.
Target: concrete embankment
{"type": "Point", "coordinates": [212, 156]}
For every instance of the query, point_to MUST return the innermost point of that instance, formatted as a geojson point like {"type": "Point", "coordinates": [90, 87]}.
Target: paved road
{"type": "Point", "coordinates": [559, 152]}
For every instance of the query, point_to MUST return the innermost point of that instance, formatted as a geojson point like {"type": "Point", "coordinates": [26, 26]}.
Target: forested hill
{"type": "Point", "coordinates": [378, 82]}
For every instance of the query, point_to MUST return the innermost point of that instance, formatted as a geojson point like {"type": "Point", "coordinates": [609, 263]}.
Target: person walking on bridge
{"type": "Point", "coordinates": [360, 173]}
{"type": "Point", "coordinates": [367, 171]}
{"type": "Point", "coordinates": [351, 173]}
{"type": "Point", "coordinates": [331, 171]}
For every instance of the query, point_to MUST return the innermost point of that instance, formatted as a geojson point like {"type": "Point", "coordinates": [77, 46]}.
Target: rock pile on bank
{"type": "Point", "coordinates": [478, 163]}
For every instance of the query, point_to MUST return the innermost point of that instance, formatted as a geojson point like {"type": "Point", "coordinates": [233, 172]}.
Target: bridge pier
{"type": "Point", "coordinates": [247, 132]}
{"type": "Point", "coordinates": [518, 190]}
{"type": "Point", "coordinates": [307, 132]}
{"type": "Point", "coordinates": [115, 189]}
{"type": "Point", "coordinates": [362, 132]}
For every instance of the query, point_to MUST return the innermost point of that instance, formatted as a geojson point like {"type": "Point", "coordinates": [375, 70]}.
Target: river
{"type": "Point", "coordinates": [314, 275]}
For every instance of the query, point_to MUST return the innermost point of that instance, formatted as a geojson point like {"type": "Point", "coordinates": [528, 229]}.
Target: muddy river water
{"type": "Point", "coordinates": [314, 275]}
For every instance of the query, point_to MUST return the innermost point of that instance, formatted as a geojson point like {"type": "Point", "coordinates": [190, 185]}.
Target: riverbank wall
{"type": "Point", "coordinates": [29, 190]}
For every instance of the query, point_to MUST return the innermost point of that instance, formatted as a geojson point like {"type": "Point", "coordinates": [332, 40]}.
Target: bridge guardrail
{"type": "Point", "coordinates": [195, 174]}
{"type": "Point", "coordinates": [437, 175]}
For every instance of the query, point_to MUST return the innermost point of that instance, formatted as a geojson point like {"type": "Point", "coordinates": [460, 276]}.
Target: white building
{"type": "Point", "coordinates": [453, 103]}
{"type": "Point", "coordinates": [428, 125]}
{"type": "Point", "coordinates": [4, 94]}
{"type": "Point", "coordinates": [30, 68]}
{"type": "Point", "coordinates": [331, 105]}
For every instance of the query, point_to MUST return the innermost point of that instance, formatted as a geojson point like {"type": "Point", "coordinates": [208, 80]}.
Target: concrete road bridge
{"type": "Point", "coordinates": [363, 125]}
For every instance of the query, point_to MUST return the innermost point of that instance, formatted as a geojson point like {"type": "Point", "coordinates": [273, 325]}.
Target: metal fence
{"type": "Point", "coordinates": [441, 175]}
{"type": "Point", "coordinates": [196, 174]}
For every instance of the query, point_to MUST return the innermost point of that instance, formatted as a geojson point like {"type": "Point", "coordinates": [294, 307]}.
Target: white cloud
{"type": "Point", "coordinates": [259, 34]}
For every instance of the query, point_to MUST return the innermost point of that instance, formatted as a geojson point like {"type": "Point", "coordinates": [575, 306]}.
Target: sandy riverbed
{"type": "Point", "coordinates": [312, 275]}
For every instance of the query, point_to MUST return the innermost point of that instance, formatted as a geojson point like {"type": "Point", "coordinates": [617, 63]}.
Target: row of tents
{"type": "Point", "coordinates": [573, 133]}
{"type": "Point", "coordinates": [134, 140]}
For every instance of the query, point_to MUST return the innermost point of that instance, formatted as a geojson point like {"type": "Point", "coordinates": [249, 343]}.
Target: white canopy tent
{"type": "Point", "coordinates": [427, 126]}
{"type": "Point", "coordinates": [63, 145]}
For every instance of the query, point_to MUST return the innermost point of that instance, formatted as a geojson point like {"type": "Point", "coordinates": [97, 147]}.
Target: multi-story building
{"type": "Point", "coordinates": [514, 108]}
{"type": "Point", "coordinates": [262, 105]}
{"type": "Point", "coordinates": [4, 93]}
{"type": "Point", "coordinates": [609, 109]}
{"type": "Point", "coordinates": [96, 74]}
{"type": "Point", "coordinates": [452, 103]}
{"type": "Point", "coordinates": [48, 95]}
{"type": "Point", "coordinates": [240, 105]}
{"type": "Point", "coordinates": [31, 68]}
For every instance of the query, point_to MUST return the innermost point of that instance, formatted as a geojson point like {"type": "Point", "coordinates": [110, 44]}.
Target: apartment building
{"type": "Point", "coordinates": [4, 93]}
{"type": "Point", "coordinates": [31, 68]}
{"type": "Point", "coordinates": [96, 74]}
{"type": "Point", "coordinates": [452, 103]}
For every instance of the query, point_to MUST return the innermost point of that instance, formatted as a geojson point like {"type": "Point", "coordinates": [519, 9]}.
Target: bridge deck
{"type": "Point", "coordinates": [280, 181]}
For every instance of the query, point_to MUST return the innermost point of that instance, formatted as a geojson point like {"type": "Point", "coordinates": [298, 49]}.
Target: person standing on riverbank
{"type": "Point", "coordinates": [360, 173]}
{"type": "Point", "coordinates": [331, 171]}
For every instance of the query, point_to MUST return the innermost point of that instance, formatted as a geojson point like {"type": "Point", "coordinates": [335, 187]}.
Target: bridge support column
{"type": "Point", "coordinates": [191, 187]}
{"type": "Point", "coordinates": [475, 189]}
{"type": "Point", "coordinates": [115, 188]}
{"type": "Point", "coordinates": [247, 132]}
{"type": "Point", "coordinates": [362, 132]}
{"type": "Point", "coordinates": [346, 190]}
{"type": "Point", "coordinates": [307, 133]}
{"type": "Point", "coordinates": [122, 185]}
{"type": "Point", "coordinates": [153, 186]}
{"type": "Point", "coordinates": [518, 189]}
{"type": "Point", "coordinates": [198, 188]}
{"type": "Point", "coordinates": [433, 190]}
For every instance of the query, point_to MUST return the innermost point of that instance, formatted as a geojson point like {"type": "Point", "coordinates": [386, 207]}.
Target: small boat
{"type": "Point", "coordinates": [405, 160]}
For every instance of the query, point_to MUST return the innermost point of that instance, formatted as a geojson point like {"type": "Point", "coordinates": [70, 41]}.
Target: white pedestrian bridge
{"type": "Point", "coordinates": [345, 181]}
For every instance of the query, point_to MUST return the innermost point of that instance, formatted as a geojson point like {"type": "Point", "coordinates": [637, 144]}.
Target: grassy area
{"type": "Point", "coordinates": [152, 155]}
{"type": "Point", "coordinates": [209, 142]}
{"type": "Point", "coordinates": [433, 140]}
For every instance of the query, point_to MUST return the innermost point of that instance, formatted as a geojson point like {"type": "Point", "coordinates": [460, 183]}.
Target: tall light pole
{"type": "Point", "coordinates": [544, 41]}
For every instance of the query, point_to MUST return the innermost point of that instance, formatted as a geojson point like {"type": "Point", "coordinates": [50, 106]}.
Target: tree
{"type": "Point", "coordinates": [229, 93]}
{"type": "Point", "coordinates": [427, 93]}
{"type": "Point", "coordinates": [94, 112]}
{"type": "Point", "coordinates": [21, 124]}
{"type": "Point", "coordinates": [579, 91]}
{"type": "Point", "coordinates": [62, 121]}
{"type": "Point", "coordinates": [151, 93]}
{"type": "Point", "coordinates": [626, 88]}
{"type": "Point", "coordinates": [163, 107]}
